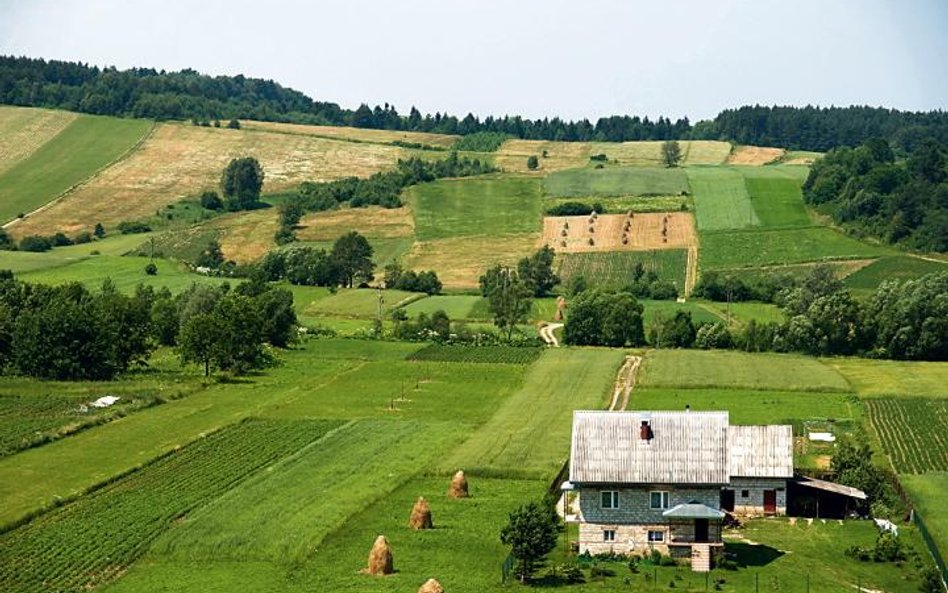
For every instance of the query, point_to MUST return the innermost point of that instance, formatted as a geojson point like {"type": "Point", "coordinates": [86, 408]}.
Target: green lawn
{"type": "Point", "coordinates": [721, 199]}
{"type": "Point", "coordinates": [753, 248]}
{"type": "Point", "coordinates": [777, 201]}
{"type": "Point", "coordinates": [360, 302]}
{"type": "Point", "coordinates": [882, 378]}
{"type": "Point", "coordinates": [126, 272]}
{"type": "Point", "coordinates": [85, 146]}
{"type": "Point", "coordinates": [745, 311]}
{"type": "Point", "coordinates": [750, 406]}
{"type": "Point", "coordinates": [26, 261]}
{"type": "Point", "coordinates": [456, 306]}
{"type": "Point", "coordinates": [616, 181]}
{"type": "Point", "coordinates": [661, 310]}
{"type": "Point", "coordinates": [732, 369]}
{"type": "Point", "coordinates": [929, 494]}
{"type": "Point", "coordinates": [528, 435]}
{"type": "Point", "coordinates": [613, 270]}
{"type": "Point", "coordinates": [454, 208]}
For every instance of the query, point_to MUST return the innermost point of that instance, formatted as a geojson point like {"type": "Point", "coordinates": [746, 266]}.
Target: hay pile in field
{"type": "Point", "coordinates": [458, 486]}
{"type": "Point", "coordinates": [420, 515]}
{"type": "Point", "coordinates": [380, 558]}
{"type": "Point", "coordinates": [431, 586]}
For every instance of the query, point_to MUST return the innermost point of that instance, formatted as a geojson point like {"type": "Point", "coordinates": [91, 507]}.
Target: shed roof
{"type": "Point", "coordinates": [686, 448]}
{"type": "Point", "coordinates": [693, 510]}
{"type": "Point", "coordinates": [761, 451]}
{"type": "Point", "coordinates": [832, 487]}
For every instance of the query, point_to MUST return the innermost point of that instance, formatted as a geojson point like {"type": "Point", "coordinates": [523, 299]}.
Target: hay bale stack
{"type": "Point", "coordinates": [431, 586]}
{"type": "Point", "coordinates": [458, 486]}
{"type": "Point", "coordinates": [421, 515]}
{"type": "Point", "coordinates": [380, 558]}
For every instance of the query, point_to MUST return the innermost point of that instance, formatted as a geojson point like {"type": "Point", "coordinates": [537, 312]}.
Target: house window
{"type": "Point", "coordinates": [745, 493]}
{"type": "Point", "coordinates": [656, 536]}
{"type": "Point", "coordinates": [658, 499]}
{"type": "Point", "coordinates": [609, 535]}
{"type": "Point", "coordinates": [610, 499]}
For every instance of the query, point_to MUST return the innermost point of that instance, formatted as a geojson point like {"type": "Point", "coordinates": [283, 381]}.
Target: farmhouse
{"type": "Point", "coordinates": [663, 480]}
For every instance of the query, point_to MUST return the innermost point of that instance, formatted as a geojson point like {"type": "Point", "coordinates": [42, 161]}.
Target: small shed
{"type": "Point", "coordinates": [811, 497]}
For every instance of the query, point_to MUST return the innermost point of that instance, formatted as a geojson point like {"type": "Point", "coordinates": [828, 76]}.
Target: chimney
{"type": "Point", "coordinates": [645, 431]}
{"type": "Point", "coordinates": [687, 407]}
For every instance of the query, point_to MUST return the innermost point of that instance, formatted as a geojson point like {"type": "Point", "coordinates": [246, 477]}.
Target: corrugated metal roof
{"type": "Point", "coordinates": [761, 451]}
{"type": "Point", "coordinates": [693, 510]}
{"type": "Point", "coordinates": [832, 487]}
{"type": "Point", "coordinates": [687, 448]}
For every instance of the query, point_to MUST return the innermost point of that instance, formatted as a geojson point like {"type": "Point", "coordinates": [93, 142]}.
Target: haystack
{"type": "Point", "coordinates": [420, 515]}
{"type": "Point", "coordinates": [431, 586]}
{"type": "Point", "coordinates": [380, 558]}
{"type": "Point", "coordinates": [458, 486]}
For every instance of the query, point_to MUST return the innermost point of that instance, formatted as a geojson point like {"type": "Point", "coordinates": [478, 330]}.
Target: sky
{"type": "Point", "coordinates": [536, 58]}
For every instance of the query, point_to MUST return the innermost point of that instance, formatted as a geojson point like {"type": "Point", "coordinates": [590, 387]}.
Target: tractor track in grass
{"type": "Point", "coordinates": [625, 383]}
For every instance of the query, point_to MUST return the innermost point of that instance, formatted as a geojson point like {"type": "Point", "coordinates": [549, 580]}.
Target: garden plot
{"type": "Point", "coordinates": [619, 232]}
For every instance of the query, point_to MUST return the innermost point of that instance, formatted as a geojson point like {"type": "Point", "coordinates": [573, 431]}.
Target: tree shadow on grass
{"type": "Point", "coordinates": [751, 554]}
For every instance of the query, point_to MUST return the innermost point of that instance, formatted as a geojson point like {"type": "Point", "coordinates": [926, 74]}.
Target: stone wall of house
{"type": "Point", "coordinates": [633, 539]}
{"type": "Point", "coordinates": [634, 504]}
{"type": "Point", "coordinates": [753, 504]}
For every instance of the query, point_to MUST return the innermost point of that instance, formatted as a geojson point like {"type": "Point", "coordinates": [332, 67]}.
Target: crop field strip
{"type": "Point", "coordinates": [77, 153]}
{"type": "Point", "coordinates": [778, 202]}
{"type": "Point", "coordinates": [721, 199]}
{"type": "Point", "coordinates": [614, 269]}
{"type": "Point", "coordinates": [95, 539]}
{"type": "Point", "coordinates": [896, 267]}
{"type": "Point", "coordinates": [23, 130]}
{"type": "Point", "coordinates": [914, 432]}
{"type": "Point", "coordinates": [615, 181]}
{"type": "Point", "coordinates": [893, 378]}
{"type": "Point", "coordinates": [477, 354]}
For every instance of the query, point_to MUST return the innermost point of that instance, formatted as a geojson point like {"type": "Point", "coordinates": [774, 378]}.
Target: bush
{"type": "Point", "coordinates": [532, 163]}
{"type": "Point", "coordinates": [35, 243]}
{"type": "Point", "coordinates": [233, 124]}
{"type": "Point", "coordinates": [60, 240]}
{"type": "Point", "coordinates": [211, 201]}
{"type": "Point", "coordinates": [151, 269]}
{"type": "Point", "coordinates": [575, 209]}
{"type": "Point", "coordinates": [83, 237]}
{"type": "Point", "coordinates": [133, 227]}
{"type": "Point", "coordinates": [600, 158]}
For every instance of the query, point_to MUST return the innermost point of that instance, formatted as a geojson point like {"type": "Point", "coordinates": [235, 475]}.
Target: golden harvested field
{"type": "Point", "coordinates": [353, 134]}
{"type": "Point", "coordinates": [649, 153]}
{"type": "Point", "coordinates": [705, 152]}
{"type": "Point", "coordinates": [25, 129]}
{"type": "Point", "coordinates": [372, 221]}
{"type": "Point", "coordinates": [182, 160]}
{"type": "Point", "coordinates": [460, 261]}
{"type": "Point", "coordinates": [572, 234]}
{"type": "Point", "coordinates": [246, 236]}
{"type": "Point", "coordinates": [513, 154]}
{"type": "Point", "coordinates": [755, 155]}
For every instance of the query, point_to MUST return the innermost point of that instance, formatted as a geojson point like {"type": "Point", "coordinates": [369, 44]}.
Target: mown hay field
{"type": "Point", "coordinates": [23, 130]}
{"type": "Point", "coordinates": [756, 248]}
{"type": "Point", "coordinates": [616, 181]}
{"type": "Point", "coordinates": [754, 155]}
{"type": "Point", "coordinates": [353, 134]}
{"type": "Point", "coordinates": [513, 154]}
{"type": "Point", "coordinates": [649, 153]}
{"type": "Point", "coordinates": [460, 261]}
{"type": "Point", "coordinates": [180, 160]}
{"type": "Point", "coordinates": [913, 431]}
{"type": "Point", "coordinates": [886, 378]}
{"type": "Point", "coordinates": [619, 232]}
{"type": "Point", "coordinates": [732, 369]}
{"type": "Point", "coordinates": [614, 270]}
{"type": "Point", "coordinates": [77, 152]}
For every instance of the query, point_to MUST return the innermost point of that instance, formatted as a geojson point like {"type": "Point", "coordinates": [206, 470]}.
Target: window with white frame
{"type": "Point", "coordinates": [609, 535]}
{"type": "Point", "coordinates": [610, 499]}
{"type": "Point", "coordinates": [656, 535]}
{"type": "Point", "coordinates": [658, 499]}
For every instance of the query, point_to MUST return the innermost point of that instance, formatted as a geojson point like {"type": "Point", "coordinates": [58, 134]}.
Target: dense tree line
{"type": "Point", "coordinates": [348, 263]}
{"type": "Point", "coordinates": [148, 93]}
{"type": "Point", "coordinates": [907, 320]}
{"type": "Point", "coordinates": [71, 333]}
{"type": "Point", "coordinates": [867, 190]}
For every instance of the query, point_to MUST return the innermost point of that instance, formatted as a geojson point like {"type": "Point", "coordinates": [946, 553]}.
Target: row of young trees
{"type": "Point", "coordinates": [145, 92]}
{"type": "Point", "coordinates": [907, 320]}
{"type": "Point", "coordinates": [868, 191]}
{"type": "Point", "coordinates": [71, 333]}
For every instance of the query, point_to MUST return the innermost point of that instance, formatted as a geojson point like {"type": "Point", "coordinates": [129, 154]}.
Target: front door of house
{"type": "Point", "coordinates": [701, 530]}
{"type": "Point", "coordinates": [727, 500]}
{"type": "Point", "coordinates": [770, 502]}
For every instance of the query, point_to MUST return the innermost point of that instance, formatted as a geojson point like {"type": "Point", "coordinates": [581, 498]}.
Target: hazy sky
{"type": "Point", "coordinates": [584, 58]}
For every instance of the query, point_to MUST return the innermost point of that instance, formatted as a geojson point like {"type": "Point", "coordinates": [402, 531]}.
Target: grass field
{"type": "Point", "coordinates": [460, 208]}
{"type": "Point", "coordinates": [746, 311]}
{"type": "Point", "coordinates": [777, 202]}
{"type": "Point", "coordinates": [782, 246]}
{"type": "Point", "coordinates": [721, 199]}
{"type": "Point", "coordinates": [882, 378]}
{"type": "Point", "coordinates": [78, 151]}
{"type": "Point", "coordinates": [750, 406]}
{"type": "Point", "coordinates": [731, 369]}
{"type": "Point", "coordinates": [456, 306]}
{"type": "Point", "coordinates": [23, 130]}
{"type": "Point", "coordinates": [622, 204]}
{"type": "Point", "coordinates": [624, 181]}
{"type": "Point", "coordinates": [649, 153]}
{"type": "Point", "coordinates": [361, 302]}
{"type": "Point", "coordinates": [914, 432]}
{"type": "Point", "coordinates": [614, 269]}
{"type": "Point", "coordinates": [460, 261]}
{"type": "Point", "coordinates": [895, 267]}
{"type": "Point", "coordinates": [180, 160]}
{"type": "Point", "coordinates": [529, 434]}
{"type": "Point", "coordinates": [661, 310]}
{"type": "Point", "coordinates": [125, 272]}
{"type": "Point", "coordinates": [928, 495]}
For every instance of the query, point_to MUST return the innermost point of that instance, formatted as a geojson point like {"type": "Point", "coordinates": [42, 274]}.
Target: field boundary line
{"type": "Point", "coordinates": [95, 174]}
{"type": "Point", "coordinates": [691, 269]}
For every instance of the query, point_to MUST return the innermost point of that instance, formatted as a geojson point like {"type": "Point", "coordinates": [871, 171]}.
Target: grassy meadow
{"type": "Point", "coordinates": [616, 181]}
{"type": "Point", "coordinates": [721, 199]}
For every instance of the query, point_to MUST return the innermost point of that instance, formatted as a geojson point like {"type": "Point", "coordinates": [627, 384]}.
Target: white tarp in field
{"type": "Point", "coordinates": [826, 437]}
{"type": "Point", "coordinates": [105, 401]}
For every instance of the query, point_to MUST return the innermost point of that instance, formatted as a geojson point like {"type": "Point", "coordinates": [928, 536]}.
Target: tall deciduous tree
{"type": "Point", "coordinates": [352, 256]}
{"type": "Point", "coordinates": [241, 183]}
{"type": "Point", "coordinates": [508, 298]}
{"type": "Point", "coordinates": [537, 273]}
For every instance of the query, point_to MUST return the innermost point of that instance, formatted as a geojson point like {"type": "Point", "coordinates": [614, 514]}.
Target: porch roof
{"type": "Point", "coordinates": [693, 510]}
